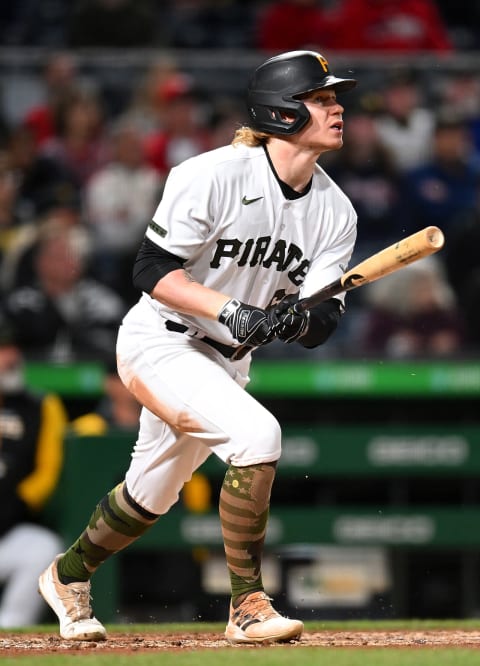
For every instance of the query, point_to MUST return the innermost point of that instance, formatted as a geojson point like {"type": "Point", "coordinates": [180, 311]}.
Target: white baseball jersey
{"type": "Point", "coordinates": [224, 213]}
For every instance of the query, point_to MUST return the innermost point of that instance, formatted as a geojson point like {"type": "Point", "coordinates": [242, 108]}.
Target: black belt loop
{"type": "Point", "coordinates": [225, 350]}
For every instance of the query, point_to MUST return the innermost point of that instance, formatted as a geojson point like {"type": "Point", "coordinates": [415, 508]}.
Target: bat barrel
{"type": "Point", "coordinates": [407, 250]}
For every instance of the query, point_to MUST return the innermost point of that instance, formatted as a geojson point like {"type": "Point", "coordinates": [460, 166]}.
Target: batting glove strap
{"type": "Point", "coordinates": [247, 323]}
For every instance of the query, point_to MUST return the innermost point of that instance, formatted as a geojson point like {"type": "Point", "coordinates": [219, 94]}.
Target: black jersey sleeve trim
{"type": "Point", "coordinates": [152, 264]}
{"type": "Point", "coordinates": [324, 319]}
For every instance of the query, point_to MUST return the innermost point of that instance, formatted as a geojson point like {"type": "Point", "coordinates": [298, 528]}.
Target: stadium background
{"type": "Point", "coordinates": [376, 507]}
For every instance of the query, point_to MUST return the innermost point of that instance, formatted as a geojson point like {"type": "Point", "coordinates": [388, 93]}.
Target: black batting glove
{"type": "Point", "coordinates": [247, 323]}
{"type": "Point", "coordinates": [290, 325]}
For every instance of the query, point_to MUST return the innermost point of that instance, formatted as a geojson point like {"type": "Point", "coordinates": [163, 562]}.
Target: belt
{"type": "Point", "coordinates": [225, 350]}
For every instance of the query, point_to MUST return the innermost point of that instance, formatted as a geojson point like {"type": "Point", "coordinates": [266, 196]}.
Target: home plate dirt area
{"type": "Point", "coordinates": [121, 642]}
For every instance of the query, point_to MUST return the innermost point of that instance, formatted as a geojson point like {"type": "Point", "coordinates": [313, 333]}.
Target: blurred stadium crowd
{"type": "Point", "coordinates": [244, 24]}
{"type": "Point", "coordinates": [100, 98]}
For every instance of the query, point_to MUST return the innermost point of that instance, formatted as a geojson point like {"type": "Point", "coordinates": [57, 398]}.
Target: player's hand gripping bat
{"type": "Point", "coordinates": [405, 251]}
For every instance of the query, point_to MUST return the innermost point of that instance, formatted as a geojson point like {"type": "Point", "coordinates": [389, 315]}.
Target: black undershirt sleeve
{"type": "Point", "coordinates": [324, 319]}
{"type": "Point", "coordinates": [152, 264]}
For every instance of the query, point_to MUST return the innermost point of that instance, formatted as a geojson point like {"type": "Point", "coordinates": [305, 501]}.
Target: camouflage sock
{"type": "Point", "coordinates": [116, 522]}
{"type": "Point", "coordinates": [244, 505]}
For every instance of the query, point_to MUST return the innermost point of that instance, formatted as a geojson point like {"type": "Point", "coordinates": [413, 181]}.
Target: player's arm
{"type": "Point", "coordinates": [179, 291]}
{"type": "Point", "coordinates": [162, 275]}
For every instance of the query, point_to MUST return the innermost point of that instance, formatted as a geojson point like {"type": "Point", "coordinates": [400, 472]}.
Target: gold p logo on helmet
{"type": "Point", "coordinates": [324, 63]}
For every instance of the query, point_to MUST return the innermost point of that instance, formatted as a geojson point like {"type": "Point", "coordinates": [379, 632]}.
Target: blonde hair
{"type": "Point", "coordinates": [249, 137]}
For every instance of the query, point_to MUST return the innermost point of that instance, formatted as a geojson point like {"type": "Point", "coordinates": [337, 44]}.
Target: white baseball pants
{"type": "Point", "coordinates": [194, 403]}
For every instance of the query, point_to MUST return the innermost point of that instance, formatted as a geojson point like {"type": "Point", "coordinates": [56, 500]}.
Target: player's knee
{"type": "Point", "coordinates": [264, 443]}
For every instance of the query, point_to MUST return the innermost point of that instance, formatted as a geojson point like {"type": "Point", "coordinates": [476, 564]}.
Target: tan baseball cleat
{"type": "Point", "coordinates": [256, 621]}
{"type": "Point", "coordinates": [71, 603]}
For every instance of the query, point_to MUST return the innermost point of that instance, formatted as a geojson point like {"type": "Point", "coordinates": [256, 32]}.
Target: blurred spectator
{"type": "Point", "coordinates": [463, 269]}
{"type": "Point", "coordinates": [183, 132]}
{"type": "Point", "coordinates": [395, 26]}
{"type": "Point", "coordinates": [18, 265]}
{"type": "Point", "coordinates": [119, 202]}
{"type": "Point", "coordinates": [41, 180]}
{"type": "Point", "coordinates": [64, 315]}
{"type": "Point", "coordinates": [79, 143]}
{"type": "Point", "coordinates": [9, 219]}
{"type": "Point", "coordinates": [117, 409]}
{"type": "Point", "coordinates": [366, 172]}
{"type": "Point", "coordinates": [59, 77]}
{"type": "Point", "coordinates": [112, 23]}
{"type": "Point", "coordinates": [461, 254]}
{"type": "Point", "coordinates": [413, 314]}
{"type": "Point", "coordinates": [145, 108]}
{"type": "Point", "coordinates": [31, 454]}
{"type": "Point", "coordinates": [458, 92]}
{"type": "Point", "coordinates": [445, 188]}
{"type": "Point", "coordinates": [293, 24]}
{"type": "Point", "coordinates": [405, 122]}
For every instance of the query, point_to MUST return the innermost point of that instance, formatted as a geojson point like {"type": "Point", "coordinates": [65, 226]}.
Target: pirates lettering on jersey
{"type": "Point", "coordinates": [256, 251]}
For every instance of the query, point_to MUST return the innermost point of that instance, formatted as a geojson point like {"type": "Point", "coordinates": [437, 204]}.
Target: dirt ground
{"type": "Point", "coordinates": [15, 644]}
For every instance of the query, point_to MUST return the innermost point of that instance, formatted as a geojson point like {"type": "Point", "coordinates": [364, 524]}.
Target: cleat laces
{"type": "Point", "coordinates": [255, 608]}
{"type": "Point", "coordinates": [76, 597]}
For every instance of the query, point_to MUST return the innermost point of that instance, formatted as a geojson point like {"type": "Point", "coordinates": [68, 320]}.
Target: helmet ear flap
{"type": "Point", "coordinates": [272, 119]}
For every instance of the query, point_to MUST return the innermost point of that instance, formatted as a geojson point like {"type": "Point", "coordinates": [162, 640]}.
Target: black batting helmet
{"type": "Point", "coordinates": [276, 85]}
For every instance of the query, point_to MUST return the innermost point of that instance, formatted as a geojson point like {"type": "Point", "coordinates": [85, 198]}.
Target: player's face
{"type": "Point", "coordinates": [325, 130]}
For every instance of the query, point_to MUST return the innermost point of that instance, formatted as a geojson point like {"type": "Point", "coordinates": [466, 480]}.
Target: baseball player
{"type": "Point", "coordinates": [240, 232]}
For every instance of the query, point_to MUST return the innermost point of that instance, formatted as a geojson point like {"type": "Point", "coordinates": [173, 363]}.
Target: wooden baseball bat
{"type": "Point", "coordinates": [421, 244]}
{"type": "Point", "coordinates": [405, 251]}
